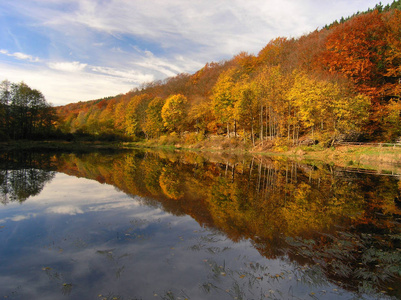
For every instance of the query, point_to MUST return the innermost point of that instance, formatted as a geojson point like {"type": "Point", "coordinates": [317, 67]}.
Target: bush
{"type": "Point", "coordinates": [193, 138]}
{"type": "Point", "coordinates": [281, 144]}
{"type": "Point", "coordinates": [170, 139]}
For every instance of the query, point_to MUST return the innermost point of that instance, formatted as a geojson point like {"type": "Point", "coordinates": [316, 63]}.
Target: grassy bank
{"type": "Point", "coordinates": [362, 156]}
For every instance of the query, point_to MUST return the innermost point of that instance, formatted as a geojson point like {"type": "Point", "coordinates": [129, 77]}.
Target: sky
{"type": "Point", "coordinates": [79, 50]}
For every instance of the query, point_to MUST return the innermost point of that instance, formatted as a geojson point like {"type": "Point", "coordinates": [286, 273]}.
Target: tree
{"type": "Point", "coordinates": [306, 94]}
{"type": "Point", "coordinates": [356, 48]}
{"type": "Point", "coordinates": [26, 113]}
{"type": "Point", "coordinates": [392, 121]}
{"type": "Point", "coordinates": [174, 112]}
{"type": "Point", "coordinates": [154, 124]}
{"type": "Point", "coordinates": [202, 118]}
{"type": "Point", "coordinates": [135, 116]}
{"type": "Point", "coordinates": [392, 88]}
{"type": "Point", "coordinates": [5, 98]}
{"type": "Point", "coordinates": [223, 99]}
{"type": "Point", "coordinates": [272, 87]}
{"type": "Point", "coordinates": [246, 107]}
{"type": "Point", "coordinates": [328, 106]}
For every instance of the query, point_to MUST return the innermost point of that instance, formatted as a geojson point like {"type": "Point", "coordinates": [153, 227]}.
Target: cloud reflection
{"type": "Point", "coordinates": [65, 210]}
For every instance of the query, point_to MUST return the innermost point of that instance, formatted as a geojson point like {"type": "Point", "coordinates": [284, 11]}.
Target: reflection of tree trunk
{"type": "Point", "coordinates": [251, 168]}
{"type": "Point", "coordinates": [259, 176]}
{"type": "Point", "coordinates": [294, 173]}
{"type": "Point", "coordinates": [265, 179]}
{"type": "Point", "coordinates": [286, 184]}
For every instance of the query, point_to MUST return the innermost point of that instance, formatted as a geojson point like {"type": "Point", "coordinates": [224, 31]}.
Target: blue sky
{"type": "Point", "coordinates": [78, 50]}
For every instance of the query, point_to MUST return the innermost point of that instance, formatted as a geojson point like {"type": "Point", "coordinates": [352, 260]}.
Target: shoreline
{"type": "Point", "coordinates": [347, 156]}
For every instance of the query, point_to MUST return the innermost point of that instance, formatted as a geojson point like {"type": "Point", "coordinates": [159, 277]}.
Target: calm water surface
{"type": "Point", "coordinates": [138, 225]}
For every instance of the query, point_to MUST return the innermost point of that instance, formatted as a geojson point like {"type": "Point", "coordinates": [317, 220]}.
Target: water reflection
{"type": "Point", "coordinates": [21, 175]}
{"type": "Point", "coordinates": [327, 233]}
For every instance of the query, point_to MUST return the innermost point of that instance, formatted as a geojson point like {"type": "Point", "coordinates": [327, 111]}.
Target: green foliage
{"type": "Point", "coordinates": [24, 112]}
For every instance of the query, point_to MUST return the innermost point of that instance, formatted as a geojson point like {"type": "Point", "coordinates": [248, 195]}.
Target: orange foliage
{"type": "Point", "coordinates": [356, 49]}
{"type": "Point", "coordinates": [364, 50]}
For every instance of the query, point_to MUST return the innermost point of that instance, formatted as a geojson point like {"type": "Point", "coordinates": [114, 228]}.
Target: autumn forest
{"type": "Point", "coordinates": [341, 82]}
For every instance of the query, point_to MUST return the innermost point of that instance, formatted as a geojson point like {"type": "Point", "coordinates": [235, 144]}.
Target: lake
{"type": "Point", "coordinates": [180, 225]}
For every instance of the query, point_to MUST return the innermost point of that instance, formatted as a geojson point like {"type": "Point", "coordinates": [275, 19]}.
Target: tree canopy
{"type": "Point", "coordinates": [24, 112]}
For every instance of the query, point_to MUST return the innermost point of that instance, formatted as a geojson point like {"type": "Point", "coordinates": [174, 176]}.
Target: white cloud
{"type": "Point", "coordinates": [20, 56]}
{"type": "Point", "coordinates": [131, 75]}
{"type": "Point", "coordinates": [67, 66]}
{"type": "Point", "coordinates": [65, 87]}
{"type": "Point", "coordinates": [126, 42]}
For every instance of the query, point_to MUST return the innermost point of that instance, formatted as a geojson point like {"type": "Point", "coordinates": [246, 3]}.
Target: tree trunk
{"type": "Point", "coordinates": [261, 123]}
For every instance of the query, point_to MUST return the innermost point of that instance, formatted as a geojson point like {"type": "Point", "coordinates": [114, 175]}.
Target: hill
{"type": "Point", "coordinates": [339, 82]}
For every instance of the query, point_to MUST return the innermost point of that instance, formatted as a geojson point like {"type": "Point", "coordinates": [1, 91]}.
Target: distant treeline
{"type": "Point", "coordinates": [24, 113]}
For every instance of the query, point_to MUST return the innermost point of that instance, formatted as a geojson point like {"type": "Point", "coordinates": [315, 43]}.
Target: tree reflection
{"type": "Point", "coordinates": [22, 176]}
{"type": "Point", "coordinates": [339, 225]}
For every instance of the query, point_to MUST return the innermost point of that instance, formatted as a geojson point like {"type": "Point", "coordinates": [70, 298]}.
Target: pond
{"type": "Point", "coordinates": [179, 225]}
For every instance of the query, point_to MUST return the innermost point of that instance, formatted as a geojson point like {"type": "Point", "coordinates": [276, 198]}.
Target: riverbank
{"type": "Point", "coordinates": [365, 156]}
{"type": "Point", "coordinates": [57, 145]}
{"type": "Point", "coordinates": [354, 156]}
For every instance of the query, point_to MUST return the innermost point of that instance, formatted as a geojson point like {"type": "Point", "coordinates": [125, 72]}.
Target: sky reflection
{"type": "Point", "coordinates": [82, 239]}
